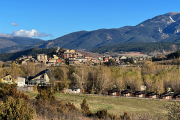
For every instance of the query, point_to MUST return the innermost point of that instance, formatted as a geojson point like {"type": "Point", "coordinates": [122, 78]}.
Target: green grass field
{"type": "Point", "coordinates": [31, 94]}
{"type": "Point", "coordinates": [117, 105]}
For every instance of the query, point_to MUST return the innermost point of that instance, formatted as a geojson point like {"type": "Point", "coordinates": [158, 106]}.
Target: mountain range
{"type": "Point", "coordinates": [161, 28]}
{"type": "Point", "coordinates": [9, 41]}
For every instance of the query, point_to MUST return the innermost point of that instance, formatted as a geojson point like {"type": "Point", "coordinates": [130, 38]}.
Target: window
{"type": "Point", "coordinates": [167, 97]}
{"type": "Point", "coordinates": [114, 93]}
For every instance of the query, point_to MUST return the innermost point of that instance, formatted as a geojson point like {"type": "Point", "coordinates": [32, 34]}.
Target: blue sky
{"type": "Point", "coordinates": [49, 19]}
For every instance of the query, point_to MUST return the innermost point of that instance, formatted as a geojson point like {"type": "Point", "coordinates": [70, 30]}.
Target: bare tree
{"type": "Point", "coordinates": [103, 78]}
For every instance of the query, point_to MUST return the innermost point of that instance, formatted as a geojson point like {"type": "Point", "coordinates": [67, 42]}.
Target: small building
{"type": "Point", "coordinates": [81, 60]}
{"type": "Point", "coordinates": [177, 97]}
{"type": "Point", "coordinates": [140, 94]}
{"type": "Point", "coordinates": [143, 88]}
{"type": "Point", "coordinates": [153, 95]}
{"type": "Point", "coordinates": [42, 58]}
{"type": "Point", "coordinates": [8, 79]}
{"type": "Point", "coordinates": [72, 60]}
{"type": "Point", "coordinates": [23, 62]}
{"type": "Point", "coordinates": [166, 96]}
{"type": "Point", "coordinates": [73, 90]}
{"type": "Point", "coordinates": [21, 81]}
{"type": "Point", "coordinates": [40, 78]}
{"type": "Point", "coordinates": [169, 89]}
{"type": "Point", "coordinates": [126, 93]}
{"type": "Point", "coordinates": [94, 60]}
{"type": "Point", "coordinates": [105, 59]}
{"type": "Point", "coordinates": [113, 92]}
{"type": "Point", "coordinates": [123, 59]}
{"type": "Point", "coordinates": [117, 59]}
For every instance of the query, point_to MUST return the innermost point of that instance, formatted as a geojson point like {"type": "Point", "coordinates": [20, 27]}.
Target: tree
{"type": "Point", "coordinates": [113, 63]}
{"type": "Point", "coordinates": [81, 75]}
{"type": "Point", "coordinates": [15, 71]}
{"type": "Point", "coordinates": [29, 69]}
{"type": "Point", "coordinates": [117, 76]}
{"type": "Point", "coordinates": [12, 109]}
{"type": "Point", "coordinates": [133, 79]}
{"type": "Point", "coordinates": [2, 72]}
{"type": "Point", "coordinates": [61, 74]}
{"type": "Point", "coordinates": [158, 86]}
{"type": "Point", "coordinates": [148, 80]}
{"type": "Point", "coordinates": [148, 68]}
{"type": "Point", "coordinates": [131, 60]}
{"type": "Point", "coordinates": [92, 78]}
{"type": "Point", "coordinates": [46, 94]}
{"type": "Point", "coordinates": [103, 78]}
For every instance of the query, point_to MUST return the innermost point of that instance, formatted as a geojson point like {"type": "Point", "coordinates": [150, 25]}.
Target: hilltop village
{"type": "Point", "coordinates": [71, 57]}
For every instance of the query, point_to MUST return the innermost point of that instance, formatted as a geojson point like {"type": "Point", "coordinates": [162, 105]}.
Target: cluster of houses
{"type": "Point", "coordinates": [58, 57]}
{"type": "Point", "coordinates": [41, 79]}
{"type": "Point", "coordinates": [142, 94]}
{"type": "Point", "coordinates": [67, 56]}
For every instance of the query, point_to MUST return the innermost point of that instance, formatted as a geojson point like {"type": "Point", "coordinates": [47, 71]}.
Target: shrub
{"type": "Point", "coordinates": [19, 109]}
{"type": "Point", "coordinates": [55, 109]}
{"type": "Point", "coordinates": [7, 86]}
{"type": "Point", "coordinates": [13, 92]}
{"type": "Point", "coordinates": [102, 114]}
{"type": "Point", "coordinates": [173, 111]}
{"type": "Point", "coordinates": [85, 108]}
{"type": "Point", "coordinates": [46, 95]}
{"type": "Point", "coordinates": [35, 88]}
{"type": "Point", "coordinates": [125, 116]}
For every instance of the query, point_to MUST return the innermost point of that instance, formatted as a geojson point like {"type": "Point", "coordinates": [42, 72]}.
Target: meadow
{"type": "Point", "coordinates": [118, 105]}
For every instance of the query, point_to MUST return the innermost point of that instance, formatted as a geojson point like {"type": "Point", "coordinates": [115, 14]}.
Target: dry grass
{"type": "Point", "coordinates": [117, 105]}
{"type": "Point", "coordinates": [31, 94]}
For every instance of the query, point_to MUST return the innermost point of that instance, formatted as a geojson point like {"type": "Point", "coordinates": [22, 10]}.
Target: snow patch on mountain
{"type": "Point", "coordinates": [171, 19]}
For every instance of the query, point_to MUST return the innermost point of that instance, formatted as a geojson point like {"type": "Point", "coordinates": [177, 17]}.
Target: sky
{"type": "Point", "coordinates": [50, 19]}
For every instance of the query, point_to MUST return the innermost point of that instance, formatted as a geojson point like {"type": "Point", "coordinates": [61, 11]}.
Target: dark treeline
{"type": "Point", "coordinates": [145, 47]}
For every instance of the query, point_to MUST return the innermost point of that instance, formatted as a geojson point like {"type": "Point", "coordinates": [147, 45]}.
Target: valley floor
{"type": "Point", "coordinates": [117, 105]}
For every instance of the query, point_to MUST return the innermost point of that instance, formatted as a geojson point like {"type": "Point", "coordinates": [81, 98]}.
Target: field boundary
{"type": "Point", "coordinates": [126, 97]}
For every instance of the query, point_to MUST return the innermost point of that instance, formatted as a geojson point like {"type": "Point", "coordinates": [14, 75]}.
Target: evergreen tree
{"type": "Point", "coordinates": [131, 60]}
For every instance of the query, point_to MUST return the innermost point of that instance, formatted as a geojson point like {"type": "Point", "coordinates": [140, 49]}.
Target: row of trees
{"type": "Point", "coordinates": [102, 78]}
{"type": "Point", "coordinates": [157, 78]}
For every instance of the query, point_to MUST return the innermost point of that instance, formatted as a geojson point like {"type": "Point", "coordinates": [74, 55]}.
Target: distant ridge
{"type": "Point", "coordinates": [161, 28]}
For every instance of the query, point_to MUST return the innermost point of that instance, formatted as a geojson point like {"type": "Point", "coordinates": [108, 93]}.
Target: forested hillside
{"type": "Point", "coordinates": [144, 47]}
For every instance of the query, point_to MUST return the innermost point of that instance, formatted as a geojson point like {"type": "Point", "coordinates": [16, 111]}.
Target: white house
{"type": "Point", "coordinates": [21, 81]}
{"type": "Point", "coordinates": [73, 90]}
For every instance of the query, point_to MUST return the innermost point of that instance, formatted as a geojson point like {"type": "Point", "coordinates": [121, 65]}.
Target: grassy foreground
{"type": "Point", "coordinates": [116, 105]}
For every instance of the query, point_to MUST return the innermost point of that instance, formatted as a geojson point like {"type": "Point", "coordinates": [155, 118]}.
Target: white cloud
{"type": "Point", "coordinates": [15, 24]}
{"type": "Point", "coordinates": [31, 33]}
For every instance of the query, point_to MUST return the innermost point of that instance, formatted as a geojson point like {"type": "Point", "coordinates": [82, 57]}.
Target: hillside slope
{"type": "Point", "coordinates": [161, 28]}
{"type": "Point", "coordinates": [14, 40]}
